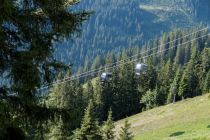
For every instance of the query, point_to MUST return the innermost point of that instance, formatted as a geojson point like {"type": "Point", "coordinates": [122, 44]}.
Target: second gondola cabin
{"type": "Point", "coordinates": [106, 76]}
{"type": "Point", "coordinates": [141, 68]}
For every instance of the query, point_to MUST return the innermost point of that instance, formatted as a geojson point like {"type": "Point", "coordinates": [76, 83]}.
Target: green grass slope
{"type": "Point", "coordinates": [185, 120]}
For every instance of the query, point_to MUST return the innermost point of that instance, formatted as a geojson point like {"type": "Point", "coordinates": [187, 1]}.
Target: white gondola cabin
{"type": "Point", "coordinates": [106, 76]}
{"type": "Point", "coordinates": [141, 68]}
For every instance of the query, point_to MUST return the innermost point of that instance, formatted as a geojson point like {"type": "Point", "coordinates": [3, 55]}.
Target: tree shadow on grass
{"type": "Point", "coordinates": [208, 126]}
{"type": "Point", "coordinates": [177, 134]}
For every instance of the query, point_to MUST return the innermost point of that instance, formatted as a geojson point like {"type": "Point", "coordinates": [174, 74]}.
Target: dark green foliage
{"type": "Point", "coordinates": [149, 80]}
{"type": "Point", "coordinates": [105, 95]}
{"type": "Point", "coordinates": [125, 133]}
{"type": "Point", "coordinates": [185, 67]}
{"type": "Point", "coordinates": [203, 71]}
{"type": "Point", "coordinates": [89, 91]}
{"type": "Point", "coordinates": [28, 31]}
{"type": "Point", "coordinates": [178, 73]}
{"type": "Point", "coordinates": [124, 83]}
{"type": "Point", "coordinates": [68, 97]}
{"type": "Point", "coordinates": [14, 133]}
{"type": "Point", "coordinates": [124, 24]}
{"type": "Point", "coordinates": [206, 86]}
{"type": "Point", "coordinates": [125, 91]}
{"type": "Point", "coordinates": [173, 77]}
{"type": "Point", "coordinates": [165, 78]}
{"type": "Point", "coordinates": [174, 87]}
{"type": "Point", "coordinates": [188, 85]}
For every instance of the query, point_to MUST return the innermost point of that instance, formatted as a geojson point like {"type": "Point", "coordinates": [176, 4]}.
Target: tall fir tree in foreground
{"type": "Point", "coordinates": [124, 133]}
{"type": "Point", "coordinates": [28, 32]}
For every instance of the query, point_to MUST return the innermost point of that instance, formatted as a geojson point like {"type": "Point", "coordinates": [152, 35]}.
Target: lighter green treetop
{"type": "Point", "coordinates": [124, 133]}
{"type": "Point", "coordinates": [89, 128]}
{"type": "Point", "coordinates": [108, 133]}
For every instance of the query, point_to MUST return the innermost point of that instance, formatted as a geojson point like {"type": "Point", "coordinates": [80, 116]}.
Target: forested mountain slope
{"type": "Point", "coordinates": [34, 106]}
{"type": "Point", "coordinates": [83, 109]}
{"type": "Point", "coordinates": [118, 24]}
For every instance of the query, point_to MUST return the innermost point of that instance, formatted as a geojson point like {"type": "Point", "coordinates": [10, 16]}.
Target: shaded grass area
{"type": "Point", "coordinates": [177, 133]}
{"type": "Point", "coordinates": [188, 119]}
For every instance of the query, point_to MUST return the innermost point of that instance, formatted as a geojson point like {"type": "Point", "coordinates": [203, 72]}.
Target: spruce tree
{"type": "Point", "coordinates": [128, 100]}
{"type": "Point", "coordinates": [67, 97]}
{"type": "Point", "coordinates": [206, 86]}
{"type": "Point", "coordinates": [96, 63]}
{"type": "Point", "coordinates": [98, 100]}
{"type": "Point", "coordinates": [124, 133]}
{"type": "Point", "coordinates": [164, 80]}
{"type": "Point", "coordinates": [204, 70]}
{"type": "Point", "coordinates": [56, 131]}
{"type": "Point", "coordinates": [175, 86]}
{"type": "Point", "coordinates": [150, 79]}
{"type": "Point", "coordinates": [28, 32]}
{"type": "Point", "coordinates": [179, 59]}
{"type": "Point", "coordinates": [89, 128]}
{"type": "Point", "coordinates": [89, 91]}
{"type": "Point", "coordinates": [189, 82]}
{"type": "Point", "coordinates": [107, 130]}
{"type": "Point", "coordinates": [116, 92]}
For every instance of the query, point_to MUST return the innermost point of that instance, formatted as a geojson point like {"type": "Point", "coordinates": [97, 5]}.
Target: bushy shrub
{"type": "Point", "coordinates": [149, 99]}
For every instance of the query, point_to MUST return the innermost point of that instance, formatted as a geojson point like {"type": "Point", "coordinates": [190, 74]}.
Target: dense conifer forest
{"type": "Point", "coordinates": [118, 24]}
{"type": "Point", "coordinates": [179, 73]}
{"type": "Point", "coordinates": [178, 67]}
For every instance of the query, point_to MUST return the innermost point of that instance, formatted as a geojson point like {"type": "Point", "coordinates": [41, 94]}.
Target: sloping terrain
{"type": "Point", "coordinates": [185, 120]}
{"type": "Point", "coordinates": [118, 24]}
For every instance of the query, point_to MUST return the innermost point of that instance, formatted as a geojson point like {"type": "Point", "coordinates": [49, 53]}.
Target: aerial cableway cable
{"type": "Point", "coordinates": [123, 62]}
{"type": "Point", "coordinates": [117, 62]}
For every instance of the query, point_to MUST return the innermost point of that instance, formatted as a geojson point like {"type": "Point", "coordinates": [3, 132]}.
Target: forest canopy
{"type": "Point", "coordinates": [86, 108]}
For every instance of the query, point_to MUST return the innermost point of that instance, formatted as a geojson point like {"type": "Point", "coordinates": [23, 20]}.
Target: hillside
{"type": "Point", "coordinates": [115, 25]}
{"type": "Point", "coordinates": [116, 71]}
{"type": "Point", "coordinates": [188, 119]}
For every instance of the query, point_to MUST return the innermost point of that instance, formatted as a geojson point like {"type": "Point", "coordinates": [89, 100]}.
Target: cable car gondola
{"type": "Point", "coordinates": [106, 76]}
{"type": "Point", "coordinates": [140, 68]}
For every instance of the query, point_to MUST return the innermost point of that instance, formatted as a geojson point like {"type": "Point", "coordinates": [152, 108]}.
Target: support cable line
{"type": "Point", "coordinates": [89, 73]}
{"type": "Point", "coordinates": [135, 55]}
{"type": "Point", "coordinates": [118, 64]}
{"type": "Point", "coordinates": [130, 61]}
